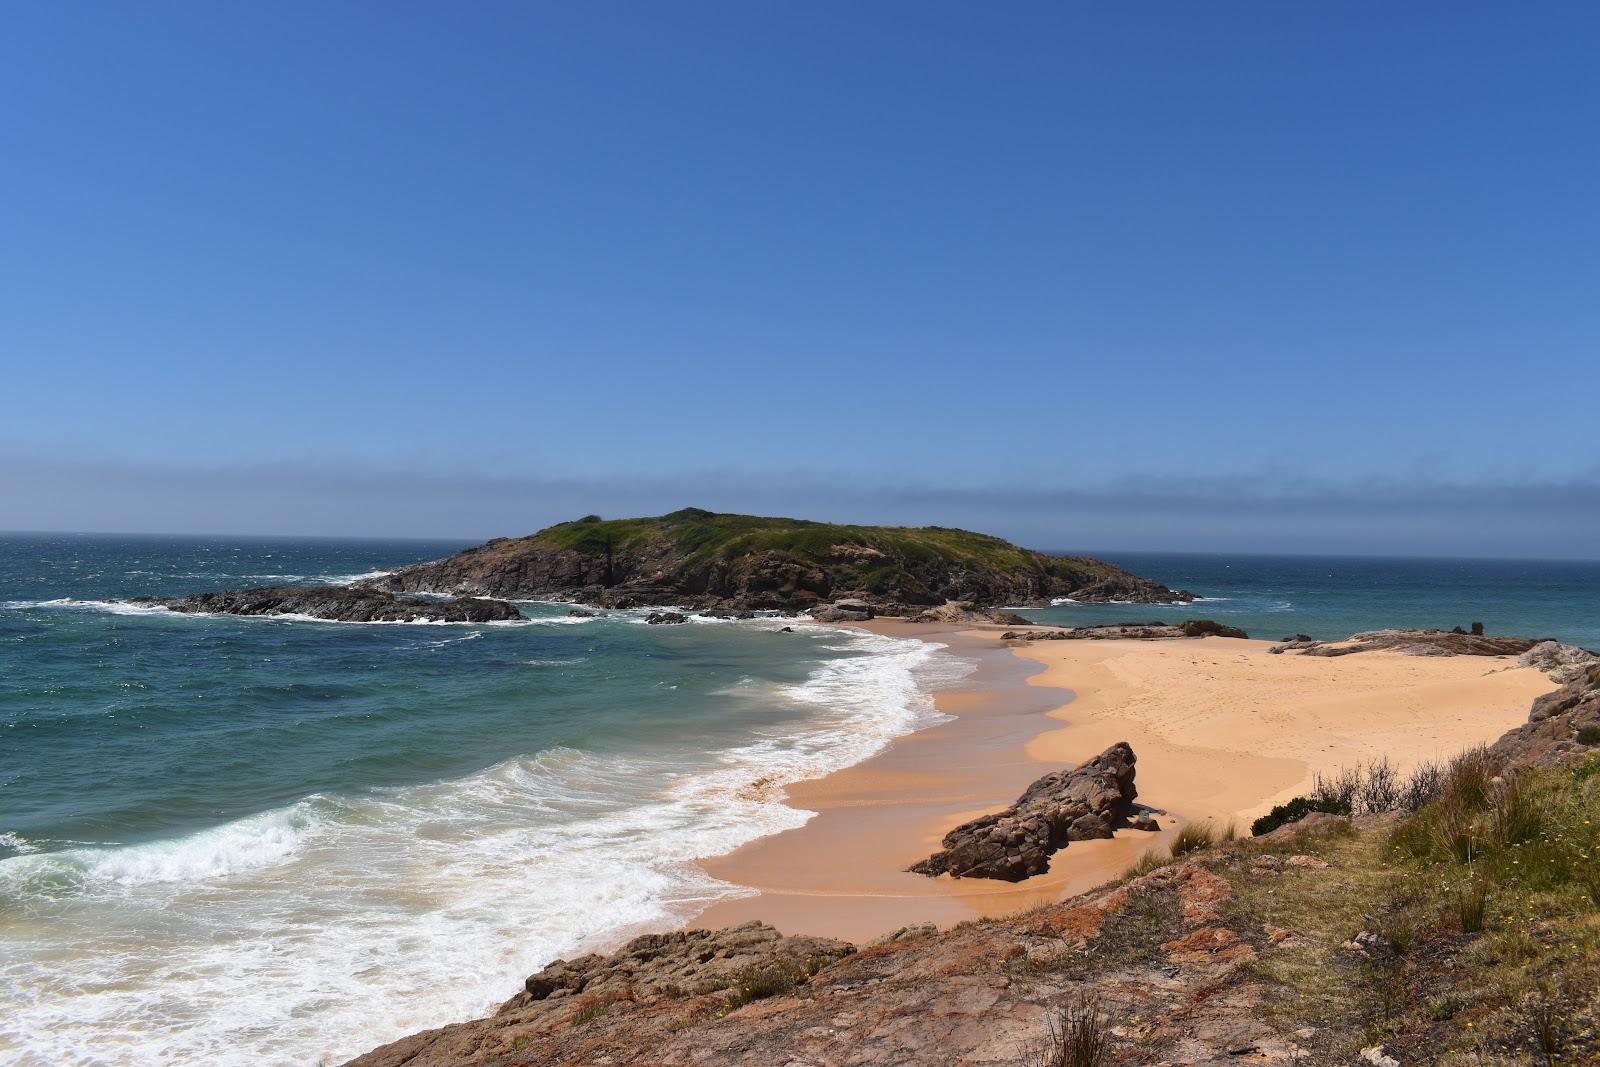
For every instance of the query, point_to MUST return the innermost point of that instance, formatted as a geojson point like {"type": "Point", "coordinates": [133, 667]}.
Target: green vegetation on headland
{"type": "Point", "coordinates": [700, 558]}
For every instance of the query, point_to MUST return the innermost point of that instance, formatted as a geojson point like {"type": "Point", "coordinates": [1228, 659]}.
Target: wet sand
{"type": "Point", "coordinates": [1222, 730]}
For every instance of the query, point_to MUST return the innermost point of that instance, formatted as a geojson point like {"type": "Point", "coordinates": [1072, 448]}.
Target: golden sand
{"type": "Point", "coordinates": [1222, 728]}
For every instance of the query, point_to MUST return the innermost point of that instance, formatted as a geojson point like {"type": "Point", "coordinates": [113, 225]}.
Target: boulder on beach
{"type": "Point", "coordinates": [1080, 804]}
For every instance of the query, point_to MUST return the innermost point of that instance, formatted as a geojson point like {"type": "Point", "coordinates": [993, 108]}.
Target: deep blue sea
{"type": "Point", "coordinates": [1332, 596]}
{"type": "Point", "coordinates": [269, 841]}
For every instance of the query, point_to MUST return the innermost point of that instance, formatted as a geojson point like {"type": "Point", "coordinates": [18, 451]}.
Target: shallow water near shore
{"type": "Point", "coordinates": [229, 840]}
{"type": "Point", "coordinates": [235, 840]}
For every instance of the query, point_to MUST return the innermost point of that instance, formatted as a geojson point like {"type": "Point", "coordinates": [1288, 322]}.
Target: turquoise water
{"type": "Point", "coordinates": [257, 841]}
{"type": "Point", "coordinates": [1331, 597]}
{"type": "Point", "coordinates": [229, 840]}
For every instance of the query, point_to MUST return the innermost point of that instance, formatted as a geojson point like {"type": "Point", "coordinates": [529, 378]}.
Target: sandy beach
{"type": "Point", "coordinates": [1223, 729]}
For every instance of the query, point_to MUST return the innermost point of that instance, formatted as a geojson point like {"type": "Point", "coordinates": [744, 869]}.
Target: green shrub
{"type": "Point", "coordinates": [1589, 735]}
{"type": "Point", "coordinates": [1297, 809]}
{"type": "Point", "coordinates": [765, 980]}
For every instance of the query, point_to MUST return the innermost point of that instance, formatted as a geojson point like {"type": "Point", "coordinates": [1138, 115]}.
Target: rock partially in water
{"type": "Point", "coordinates": [1081, 804]}
{"type": "Point", "coordinates": [1130, 589]}
{"type": "Point", "coordinates": [665, 618]}
{"type": "Point", "coordinates": [336, 604]}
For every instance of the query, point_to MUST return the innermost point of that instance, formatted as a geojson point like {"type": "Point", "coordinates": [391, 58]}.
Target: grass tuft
{"type": "Point", "coordinates": [1193, 838]}
{"type": "Point", "coordinates": [1078, 1035]}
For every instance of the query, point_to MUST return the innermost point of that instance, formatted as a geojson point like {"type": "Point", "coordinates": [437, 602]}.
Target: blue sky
{"type": "Point", "coordinates": [1225, 276]}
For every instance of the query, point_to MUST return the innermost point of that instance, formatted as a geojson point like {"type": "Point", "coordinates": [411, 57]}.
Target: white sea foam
{"type": "Point", "coordinates": [17, 843]}
{"type": "Point", "coordinates": [351, 579]}
{"type": "Point", "coordinates": [1060, 600]}
{"type": "Point", "coordinates": [325, 927]}
{"type": "Point", "coordinates": [110, 607]}
{"type": "Point", "coordinates": [121, 607]}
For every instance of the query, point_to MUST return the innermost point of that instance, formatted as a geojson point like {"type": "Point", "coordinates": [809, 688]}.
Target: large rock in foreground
{"type": "Point", "coordinates": [336, 604]}
{"type": "Point", "coordinates": [701, 559]}
{"type": "Point", "coordinates": [1080, 804]}
{"type": "Point", "coordinates": [687, 975]}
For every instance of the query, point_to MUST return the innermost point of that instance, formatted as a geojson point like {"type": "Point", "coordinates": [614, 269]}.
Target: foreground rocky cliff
{"type": "Point", "coordinates": [1453, 921]}
{"type": "Point", "coordinates": [694, 558]}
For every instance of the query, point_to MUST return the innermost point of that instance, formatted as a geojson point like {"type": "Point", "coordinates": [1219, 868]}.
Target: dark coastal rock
{"type": "Point", "coordinates": [1080, 804]}
{"type": "Point", "coordinates": [1130, 631]}
{"type": "Point", "coordinates": [1130, 589]}
{"type": "Point", "coordinates": [832, 614]}
{"type": "Point", "coordinates": [581, 613]}
{"type": "Point", "coordinates": [700, 560]}
{"type": "Point", "coordinates": [665, 618]}
{"type": "Point", "coordinates": [1425, 643]}
{"type": "Point", "coordinates": [1210, 628]}
{"type": "Point", "coordinates": [337, 604]}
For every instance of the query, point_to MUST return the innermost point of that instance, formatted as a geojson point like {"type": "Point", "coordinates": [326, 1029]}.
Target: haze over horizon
{"type": "Point", "coordinates": [1236, 278]}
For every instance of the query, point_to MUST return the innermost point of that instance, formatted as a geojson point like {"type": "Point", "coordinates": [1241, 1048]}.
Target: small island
{"type": "Point", "coordinates": [704, 560]}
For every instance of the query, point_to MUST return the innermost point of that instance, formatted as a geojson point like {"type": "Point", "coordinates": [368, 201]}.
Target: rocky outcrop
{"type": "Point", "coordinates": [665, 618]}
{"type": "Point", "coordinates": [1425, 643]}
{"type": "Point", "coordinates": [1130, 631]}
{"type": "Point", "coordinates": [1562, 727]}
{"type": "Point", "coordinates": [1080, 804]}
{"type": "Point", "coordinates": [1563, 663]}
{"type": "Point", "coordinates": [336, 604]}
{"type": "Point", "coordinates": [707, 972]}
{"type": "Point", "coordinates": [1129, 589]}
{"type": "Point", "coordinates": [969, 614]}
{"type": "Point", "coordinates": [697, 559]}
{"type": "Point", "coordinates": [849, 609]}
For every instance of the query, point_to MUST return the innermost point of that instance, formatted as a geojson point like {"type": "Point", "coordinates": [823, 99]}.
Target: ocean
{"type": "Point", "coordinates": [257, 841]}
{"type": "Point", "coordinates": [253, 841]}
{"type": "Point", "coordinates": [1334, 596]}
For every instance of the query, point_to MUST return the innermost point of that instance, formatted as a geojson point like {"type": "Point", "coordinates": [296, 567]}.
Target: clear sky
{"type": "Point", "coordinates": [1235, 276]}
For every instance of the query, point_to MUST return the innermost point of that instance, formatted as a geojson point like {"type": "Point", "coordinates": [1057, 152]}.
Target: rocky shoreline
{"type": "Point", "coordinates": [336, 604]}
{"type": "Point", "coordinates": [1176, 953]}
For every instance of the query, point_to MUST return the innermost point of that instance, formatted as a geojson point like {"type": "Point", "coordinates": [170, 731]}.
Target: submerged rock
{"type": "Point", "coordinates": [1080, 804]}
{"type": "Point", "coordinates": [337, 604]}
